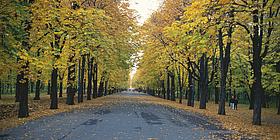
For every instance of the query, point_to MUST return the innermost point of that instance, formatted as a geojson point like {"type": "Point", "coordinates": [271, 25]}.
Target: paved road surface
{"type": "Point", "coordinates": [125, 121]}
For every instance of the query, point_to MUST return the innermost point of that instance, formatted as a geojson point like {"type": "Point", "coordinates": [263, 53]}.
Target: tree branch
{"type": "Point", "coordinates": [246, 28]}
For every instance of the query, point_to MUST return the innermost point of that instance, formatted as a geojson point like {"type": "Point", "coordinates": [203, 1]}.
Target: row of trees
{"type": "Point", "coordinates": [226, 46]}
{"type": "Point", "coordinates": [83, 43]}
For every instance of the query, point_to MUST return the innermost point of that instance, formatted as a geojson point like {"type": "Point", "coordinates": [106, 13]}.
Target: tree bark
{"type": "Point", "coordinates": [23, 92]}
{"type": "Point", "coordinates": [89, 88]}
{"type": "Point", "coordinates": [4, 86]}
{"type": "Point", "coordinates": [221, 110]}
{"type": "Point", "coordinates": [37, 90]}
{"type": "Point", "coordinates": [180, 85]}
{"type": "Point", "coordinates": [71, 88]}
{"type": "Point", "coordinates": [216, 91]}
{"type": "Point", "coordinates": [49, 88]}
{"type": "Point", "coordinates": [191, 90]}
{"type": "Point", "coordinates": [163, 89]}
{"type": "Point", "coordinates": [83, 77]}
{"type": "Point", "coordinates": [54, 99]}
{"type": "Point", "coordinates": [230, 85]}
{"type": "Point", "coordinates": [203, 82]}
{"type": "Point", "coordinates": [168, 86]}
{"type": "Point", "coordinates": [257, 64]}
{"type": "Point", "coordinates": [186, 93]}
{"type": "Point", "coordinates": [101, 87]}
{"type": "Point", "coordinates": [278, 112]}
{"type": "Point", "coordinates": [60, 86]}
{"type": "Point", "coordinates": [224, 61]}
{"type": "Point", "coordinates": [0, 89]}
{"type": "Point", "coordinates": [278, 70]}
{"type": "Point", "coordinates": [106, 87]}
{"type": "Point", "coordinates": [31, 87]}
{"type": "Point", "coordinates": [84, 89]}
{"type": "Point", "coordinates": [7, 89]}
{"type": "Point", "coordinates": [172, 76]}
{"type": "Point", "coordinates": [11, 88]}
{"type": "Point", "coordinates": [17, 88]}
{"type": "Point", "coordinates": [95, 72]}
{"type": "Point", "coordinates": [198, 91]}
{"type": "Point", "coordinates": [23, 81]}
{"type": "Point", "coordinates": [80, 83]}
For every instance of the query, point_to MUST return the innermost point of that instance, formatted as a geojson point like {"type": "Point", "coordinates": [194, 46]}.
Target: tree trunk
{"type": "Point", "coordinates": [258, 91]}
{"type": "Point", "coordinates": [17, 88]}
{"type": "Point", "coordinates": [163, 89]}
{"type": "Point", "coordinates": [159, 92]}
{"type": "Point", "coordinates": [101, 87]}
{"type": "Point", "coordinates": [206, 82]}
{"type": "Point", "coordinates": [186, 93]}
{"type": "Point", "coordinates": [11, 88]}
{"type": "Point", "coordinates": [224, 60]}
{"type": "Point", "coordinates": [89, 88]}
{"type": "Point", "coordinates": [221, 110]}
{"type": "Point", "coordinates": [7, 89]}
{"type": "Point", "coordinates": [84, 92]}
{"type": "Point", "coordinates": [54, 99]}
{"type": "Point", "coordinates": [37, 90]}
{"type": "Point", "coordinates": [257, 65]}
{"type": "Point", "coordinates": [60, 87]}
{"type": "Point", "coordinates": [80, 83]}
{"type": "Point", "coordinates": [38, 85]}
{"type": "Point", "coordinates": [31, 87]}
{"type": "Point", "coordinates": [278, 70]}
{"type": "Point", "coordinates": [0, 89]}
{"type": "Point", "coordinates": [230, 85]}
{"type": "Point", "coordinates": [95, 75]}
{"type": "Point", "coordinates": [106, 88]}
{"type": "Point", "coordinates": [198, 91]}
{"type": "Point", "coordinates": [192, 89]}
{"type": "Point", "coordinates": [180, 86]}
{"type": "Point", "coordinates": [23, 93]}
{"type": "Point", "coordinates": [3, 89]}
{"type": "Point", "coordinates": [203, 82]}
{"type": "Point", "coordinates": [71, 88]}
{"type": "Point", "coordinates": [172, 76]}
{"type": "Point", "coordinates": [168, 86]}
{"type": "Point", "coordinates": [83, 81]}
{"type": "Point", "coordinates": [49, 87]}
{"type": "Point", "coordinates": [216, 91]}
{"type": "Point", "coordinates": [278, 112]}
{"type": "Point", "coordinates": [22, 80]}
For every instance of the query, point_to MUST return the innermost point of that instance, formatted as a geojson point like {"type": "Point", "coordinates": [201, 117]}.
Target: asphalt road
{"type": "Point", "coordinates": [124, 121]}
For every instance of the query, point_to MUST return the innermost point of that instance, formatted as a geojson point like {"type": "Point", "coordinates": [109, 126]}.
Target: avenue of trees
{"type": "Point", "coordinates": [81, 48]}
{"type": "Point", "coordinates": [203, 50]}
{"type": "Point", "coordinates": [198, 50]}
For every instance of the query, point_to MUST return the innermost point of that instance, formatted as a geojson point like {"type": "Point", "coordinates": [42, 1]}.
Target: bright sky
{"type": "Point", "coordinates": [144, 9]}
